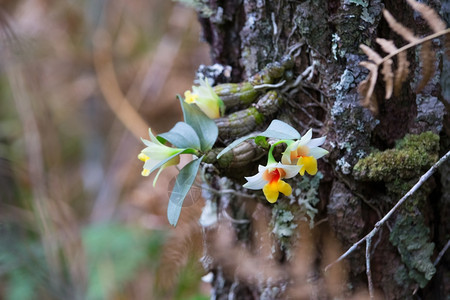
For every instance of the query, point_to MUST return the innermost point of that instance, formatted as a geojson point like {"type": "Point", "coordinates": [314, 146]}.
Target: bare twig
{"type": "Point", "coordinates": [441, 254]}
{"type": "Point", "coordinates": [234, 221]}
{"type": "Point", "coordinates": [225, 191]}
{"type": "Point", "coordinates": [295, 47]}
{"type": "Point", "coordinates": [267, 85]}
{"type": "Point", "coordinates": [274, 25]}
{"type": "Point", "coordinates": [368, 270]}
{"type": "Point", "coordinates": [379, 224]}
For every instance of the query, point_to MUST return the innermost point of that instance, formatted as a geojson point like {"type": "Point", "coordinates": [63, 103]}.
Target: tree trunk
{"type": "Point", "coordinates": [258, 250]}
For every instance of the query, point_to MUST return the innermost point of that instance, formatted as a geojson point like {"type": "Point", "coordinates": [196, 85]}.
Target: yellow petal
{"type": "Point", "coordinates": [189, 97]}
{"type": "Point", "coordinates": [209, 107]}
{"type": "Point", "coordinates": [172, 162]}
{"type": "Point", "coordinates": [309, 165]}
{"type": "Point", "coordinates": [271, 192]}
{"type": "Point", "coordinates": [284, 188]}
{"type": "Point", "coordinates": [143, 157]}
{"type": "Point", "coordinates": [145, 172]}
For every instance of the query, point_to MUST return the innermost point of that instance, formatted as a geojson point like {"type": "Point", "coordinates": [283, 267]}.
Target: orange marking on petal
{"type": "Point", "coordinates": [272, 176]}
{"type": "Point", "coordinates": [293, 155]}
{"type": "Point", "coordinates": [302, 151]}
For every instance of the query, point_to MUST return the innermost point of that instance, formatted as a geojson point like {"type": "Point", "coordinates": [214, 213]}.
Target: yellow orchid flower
{"type": "Point", "coordinates": [305, 153]}
{"type": "Point", "coordinates": [206, 99]}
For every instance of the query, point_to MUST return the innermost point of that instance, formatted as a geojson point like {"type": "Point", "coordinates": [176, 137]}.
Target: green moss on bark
{"type": "Point", "coordinates": [399, 169]}
{"type": "Point", "coordinates": [411, 157]}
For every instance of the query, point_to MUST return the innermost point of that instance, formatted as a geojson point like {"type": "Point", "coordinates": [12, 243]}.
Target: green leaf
{"type": "Point", "coordinates": [262, 142]}
{"type": "Point", "coordinates": [183, 183]}
{"type": "Point", "coordinates": [277, 129]}
{"type": "Point", "coordinates": [185, 151]}
{"type": "Point", "coordinates": [235, 143]}
{"type": "Point", "coordinates": [205, 128]}
{"type": "Point", "coordinates": [182, 135]}
{"type": "Point", "coordinates": [280, 130]}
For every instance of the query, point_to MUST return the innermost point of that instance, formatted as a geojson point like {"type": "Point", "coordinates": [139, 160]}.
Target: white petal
{"type": "Point", "coordinates": [261, 168]}
{"type": "Point", "coordinates": [293, 146]}
{"type": "Point", "coordinates": [150, 163]}
{"type": "Point", "coordinates": [306, 138]}
{"type": "Point", "coordinates": [255, 182]}
{"type": "Point", "coordinates": [157, 152]}
{"type": "Point", "coordinates": [291, 170]}
{"type": "Point", "coordinates": [286, 158]}
{"type": "Point", "coordinates": [153, 138]}
{"type": "Point", "coordinates": [318, 152]}
{"type": "Point", "coordinates": [146, 142]}
{"type": "Point", "coordinates": [316, 142]}
{"type": "Point", "coordinates": [157, 176]}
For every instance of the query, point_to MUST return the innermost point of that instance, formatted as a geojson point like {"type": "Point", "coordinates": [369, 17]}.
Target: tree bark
{"type": "Point", "coordinates": [257, 250]}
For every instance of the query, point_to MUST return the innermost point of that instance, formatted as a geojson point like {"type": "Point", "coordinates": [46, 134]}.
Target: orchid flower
{"type": "Point", "coordinates": [155, 153]}
{"type": "Point", "coordinates": [269, 178]}
{"type": "Point", "coordinates": [305, 153]}
{"type": "Point", "coordinates": [206, 99]}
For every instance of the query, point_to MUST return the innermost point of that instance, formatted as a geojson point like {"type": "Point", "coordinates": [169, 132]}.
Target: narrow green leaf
{"type": "Point", "coordinates": [183, 183]}
{"type": "Point", "coordinates": [280, 130]}
{"type": "Point", "coordinates": [235, 143]}
{"type": "Point", "coordinates": [183, 151]}
{"type": "Point", "coordinates": [205, 128]}
{"type": "Point", "coordinates": [182, 135]}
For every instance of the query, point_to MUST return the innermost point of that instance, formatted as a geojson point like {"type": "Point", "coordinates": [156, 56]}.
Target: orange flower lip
{"type": "Point", "coordinates": [274, 176]}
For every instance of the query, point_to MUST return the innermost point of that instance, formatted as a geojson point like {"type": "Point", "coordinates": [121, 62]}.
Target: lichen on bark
{"type": "Point", "coordinates": [411, 237]}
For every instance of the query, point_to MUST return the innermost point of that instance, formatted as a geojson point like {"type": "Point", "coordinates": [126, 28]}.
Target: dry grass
{"type": "Point", "coordinates": [79, 84]}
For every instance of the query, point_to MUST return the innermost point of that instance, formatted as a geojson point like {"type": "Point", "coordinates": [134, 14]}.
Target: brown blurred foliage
{"type": "Point", "coordinates": [80, 83]}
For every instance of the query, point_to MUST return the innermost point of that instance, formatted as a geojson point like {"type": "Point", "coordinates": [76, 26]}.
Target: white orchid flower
{"type": "Point", "coordinates": [269, 180]}
{"type": "Point", "coordinates": [305, 152]}
{"type": "Point", "coordinates": [155, 153]}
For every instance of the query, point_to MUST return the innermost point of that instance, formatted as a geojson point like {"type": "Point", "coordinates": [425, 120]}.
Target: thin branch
{"type": "Point", "coordinates": [268, 85]}
{"type": "Point", "coordinates": [380, 223]}
{"type": "Point", "coordinates": [413, 44]}
{"type": "Point", "coordinates": [225, 191]}
{"type": "Point", "coordinates": [441, 254]}
{"type": "Point", "coordinates": [232, 220]}
{"type": "Point", "coordinates": [274, 25]}
{"type": "Point", "coordinates": [368, 270]}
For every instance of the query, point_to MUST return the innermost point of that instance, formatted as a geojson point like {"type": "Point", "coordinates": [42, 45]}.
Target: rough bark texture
{"type": "Point", "coordinates": [260, 251]}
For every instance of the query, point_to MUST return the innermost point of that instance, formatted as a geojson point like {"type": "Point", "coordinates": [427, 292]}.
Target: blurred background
{"type": "Point", "coordinates": [80, 82]}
